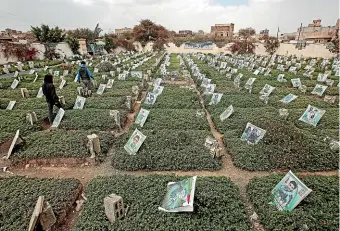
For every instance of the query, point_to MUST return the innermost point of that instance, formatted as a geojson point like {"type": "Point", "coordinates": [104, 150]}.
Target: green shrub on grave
{"type": "Point", "coordinates": [184, 119]}
{"type": "Point", "coordinates": [167, 150]}
{"type": "Point", "coordinates": [61, 144]}
{"type": "Point", "coordinates": [283, 147]}
{"type": "Point", "coordinates": [89, 118]}
{"type": "Point", "coordinates": [214, 209]}
{"type": "Point", "coordinates": [318, 211]}
{"type": "Point", "coordinates": [19, 196]}
{"type": "Point", "coordinates": [13, 120]}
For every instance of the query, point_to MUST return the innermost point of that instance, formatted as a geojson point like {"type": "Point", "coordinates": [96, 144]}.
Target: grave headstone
{"type": "Point", "coordinates": [10, 105]}
{"type": "Point", "coordinates": [24, 93]}
{"type": "Point", "coordinates": [58, 118]}
{"type": "Point", "coordinates": [283, 112]}
{"type": "Point", "coordinates": [114, 208]}
{"type": "Point", "coordinates": [62, 84]}
{"type": "Point", "coordinates": [14, 84]}
{"type": "Point", "coordinates": [47, 217]}
{"type": "Point", "coordinates": [31, 118]}
{"type": "Point", "coordinates": [79, 104]}
{"type": "Point", "coordinates": [36, 213]}
{"type": "Point", "coordinates": [93, 145]}
{"type": "Point", "coordinates": [101, 89]}
{"type": "Point", "coordinates": [17, 140]}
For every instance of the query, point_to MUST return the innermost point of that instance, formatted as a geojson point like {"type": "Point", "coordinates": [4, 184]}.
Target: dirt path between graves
{"type": "Point", "coordinates": [86, 173]}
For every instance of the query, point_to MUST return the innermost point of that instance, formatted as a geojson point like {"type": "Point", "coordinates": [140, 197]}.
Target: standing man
{"type": "Point", "coordinates": [85, 76]}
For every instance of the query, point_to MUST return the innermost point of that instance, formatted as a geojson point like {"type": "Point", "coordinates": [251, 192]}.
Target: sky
{"type": "Point", "coordinates": [173, 14]}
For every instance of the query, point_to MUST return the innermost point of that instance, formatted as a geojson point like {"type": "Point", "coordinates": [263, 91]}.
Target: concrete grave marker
{"type": "Point", "coordinates": [45, 68]}
{"type": "Point", "coordinates": [5, 69]}
{"type": "Point", "coordinates": [65, 72]}
{"type": "Point", "coordinates": [58, 118]}
{"type": "Point", "coordinates": [36, 77]}
{"type": "Point", "coordinates": [62, 100]}
{"type": "Point", "coordinates": [329, 99]}
{"type": "Point", "coordinates": [31, 64]}
{"type": "Point", "coordinates": [40, 93]}
{"type": "Point", "coordinates": [110, 83]}
{"type": "Point", "coordinates": [116, 115]}
{"type": "Point", "coordinates": [79, 104]}
{"type": "Point", "coordinates": [47, 217]}
{"type": "Point", "coordinates": [114, 208]}
{"type": "Point", "coordinates": [36, 213]}
{"type": "Point", "coordinates": [31, 118]}
{"type": "Point", "coordinates": [95, 70]}
{"type": "Point", "coordinates": [16, 73]}
{"type": "Point", "coordinates": [17, 140]}
{"type": "Point", "coordinates": [101, 89]}
{"type": "Point", "coordinates": [31, 72]}
{"type": "Point", "coordinates": [283, 112]}
{"type": "Point", "coordinates": [24, 93]}
{"type": "Point", "coordinates": [14, 84]}
{"type": "Point", "coordinates": [10, 105]}
{"type": "Point", "coordinates": [93, 145]}
{"type": "Point", "coordinates": [62, 84]}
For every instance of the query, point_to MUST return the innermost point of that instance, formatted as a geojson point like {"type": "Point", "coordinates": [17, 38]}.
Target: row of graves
{"type": "Point", "coordinates": [169, 133]}
{"type": "Point", "coordinates": [174, 130]}
{"type": "Point", "coordinates": [273, 119]}
{"type": "Point", "coordinates": [164, 139]}
{"type": "Point", "coordinates": [83, 129]}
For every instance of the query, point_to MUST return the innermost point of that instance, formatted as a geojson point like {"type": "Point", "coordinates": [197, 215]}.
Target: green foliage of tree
{"type": "Point", "coordinates": [45, 34]}
{"type": "Point", "coordinates": [73, 43]}
{"type": "Point", "coordinates": [148, 31]}
{"type": "Point", "coordinates": [271, 44]}
{"type": "Point", "coordinates": [109, 43]}
{"type": "Point", "coordinates": [246, 32]}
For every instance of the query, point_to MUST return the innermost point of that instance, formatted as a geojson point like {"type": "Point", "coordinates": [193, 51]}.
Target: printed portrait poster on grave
{"type": "Point", "coordinates": [136, 74]}
{"type": "Point", "coordinates": [180, 196]}
{"type": "Point", "coordinates": [135, 142]}
{"type": "Point", "coordinates": [215, 98]}
{"type": "Point", "coordinates": [62, 84]}
{"type": "Point", "coordinates": [250, 81]}
{"type": "Point", "coordinates": [227, 113]}
{"type": "Point", "coordinates": [252, 134]}
{"type": "Point", "coordinates": [58, 118]}
{"type": "Point", "coordinates": [142, 116]}
{"type": "Point", "coordinates": [10, 105]}
{"type": "Point", "coordinates": [288, 98]}
{"type": "Point", "coordinates": [79, 104]}
{"type": "Point", "coordinates": [158, 90]}
{"type": "Point", "coordinates": [280, 78]}
{"type": "Point", "coordinates": [31, 64]}
{"type": "Point", "coordinates": [289, 192]}
{"type": "Point", "coordinates": [14, 84]}
{"type": "Point", "coordinates": [157, 82]}
{"type": "Point", "coordinates": [109, 84]}
{"type": "Point", "coordinates": [209, 89]}
{"type": "Point", "coordinates": [267, 90]}
{"type": "Point", "coordinates": [319, 90]}
{"type": "Point", "coordinates": [296, 82]}
{"type": "Point", "coordinates": [322, 77]}
{"type": "Point", "coordinates": [40, 93]}
{"type": "Point", "coordinates": [150, 98]}
{"type": "Point", "coordinates": [101, 89]}
{"type": "Point", "coordinates": [115, 115]}
{"type": "Point", "coordinates": [312, 115]}
{"type": "Point", "coordinates": [121, 77]}
{"type": "Point", "coordinates": [56, 73]}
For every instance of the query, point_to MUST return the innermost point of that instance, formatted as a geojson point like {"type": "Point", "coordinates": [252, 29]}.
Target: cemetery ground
{"type": "Point", "coordinates": [229, 188]}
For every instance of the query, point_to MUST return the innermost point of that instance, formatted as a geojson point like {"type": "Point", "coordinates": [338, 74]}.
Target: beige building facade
{"type": "Point", "coordinates": [315, 32]}
{"type": "Point", "coordinates": [223, 30]}
{"type": "Point", "coordinates": [123, 31]}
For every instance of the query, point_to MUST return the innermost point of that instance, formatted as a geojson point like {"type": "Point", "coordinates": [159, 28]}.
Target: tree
{"type": "Point", "coordinates": [271, 44]}
{"type": "Point", "coordinates": [148, 31]}
{"type": "Point", "coordinates": [246, 32]}
{"type": "Point", "coordinates": [23, 52]}
{"type": "Point", "coordinates": [85, 33]}
{"type": "Point", "coordinates": [244, 45]}
{"type": "Point", "coordinates": [45, 34]}
{"type": "Point", "coordinates": [73, 43]}
{"type": "Point", "coordinates": [109, 44]}
{"type": "Point", "coordinates": [333, 46]}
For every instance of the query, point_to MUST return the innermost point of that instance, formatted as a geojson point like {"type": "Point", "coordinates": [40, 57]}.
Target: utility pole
{"type": "Point", "coordinates": [277, 34]}
{"type": "Point", "coordinates": [300, 32]}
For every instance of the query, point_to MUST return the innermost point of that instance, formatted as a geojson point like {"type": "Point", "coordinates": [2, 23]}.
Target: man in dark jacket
{"type": "Point", "coordinates": [51, 96]}
{"type": "Point", "coordinates": [85, 75]}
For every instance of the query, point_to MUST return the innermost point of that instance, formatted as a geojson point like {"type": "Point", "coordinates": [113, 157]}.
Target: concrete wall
{"type": "Point", "coordinates": [61, 48]}
{"type": "Point", "coordinates": [312, 50]}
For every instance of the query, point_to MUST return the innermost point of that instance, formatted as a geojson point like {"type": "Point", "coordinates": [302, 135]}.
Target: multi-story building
{"type": "Point", "coordinates": [315, 32]}
{"type": "Point", "coordinates": [223, 30]}
{"type": "Point", "coordinates": [264, 33]}
{"type": "Point", "coordinates": [123, 31]}
{"type": "Point", "coordinates": [184, 33]}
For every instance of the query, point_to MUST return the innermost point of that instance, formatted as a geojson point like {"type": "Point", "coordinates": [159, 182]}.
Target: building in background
{"type": "Point", "coordinates": [264, 33]}
{"type": "Point", "coordinates": [123, 31]}
{"type": "Point", "coordinates": [315, 32]}
{"type": "Point", "coordinates": [184, 33]}
{"type": "Point", "coordinates": [223, 30]}
{"type": "Point", "coordinates": [200, 32]}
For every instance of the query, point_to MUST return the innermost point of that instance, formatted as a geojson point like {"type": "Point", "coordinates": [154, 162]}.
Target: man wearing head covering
{"type": "Point", "coordinates": [51, 96]}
